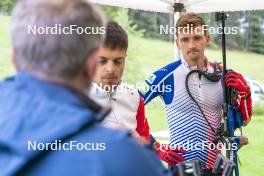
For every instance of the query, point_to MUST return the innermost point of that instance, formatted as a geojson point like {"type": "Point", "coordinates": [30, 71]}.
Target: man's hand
{"type": "Point", "coordinates": [169, 154]}
{"type": "Point", "coordinates": [243, 141]}
{"type": "Point", "coordinates": [244, 101]}
{"type": "Point", "coordinates": [139, 139]}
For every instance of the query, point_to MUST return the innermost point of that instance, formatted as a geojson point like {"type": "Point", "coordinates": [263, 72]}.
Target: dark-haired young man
{"type": "Point", "coordinates": [125, 101]}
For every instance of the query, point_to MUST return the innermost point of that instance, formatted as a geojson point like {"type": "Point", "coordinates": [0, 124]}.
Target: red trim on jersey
{"type": "Point", "coordinates": [211, 64]}
{"type": "Point", "coordinates": [142, 123]}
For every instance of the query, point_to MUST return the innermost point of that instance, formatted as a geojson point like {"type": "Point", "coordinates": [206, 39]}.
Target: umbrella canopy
{"type": "Point", "coordinates": [198, 6]}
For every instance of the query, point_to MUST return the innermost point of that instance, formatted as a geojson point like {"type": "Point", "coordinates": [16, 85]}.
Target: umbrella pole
{"type": "Point", "coordinates": [178, 9]}
{"type": "Point", "coordinates": [177, 53]}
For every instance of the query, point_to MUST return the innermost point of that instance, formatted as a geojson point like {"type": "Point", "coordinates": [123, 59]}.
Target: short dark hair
{"type": "Point", "coordinates": [116, 36]}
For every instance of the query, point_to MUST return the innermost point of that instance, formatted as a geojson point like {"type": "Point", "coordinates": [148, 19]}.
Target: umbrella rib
{"type": "Point", "coordinates": [194, 3]}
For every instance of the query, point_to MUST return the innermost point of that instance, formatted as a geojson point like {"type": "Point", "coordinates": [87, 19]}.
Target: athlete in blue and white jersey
{"type": "Point", "coordinates": [188, 127]}
{"type": "Point", "coordinates": [186, 124]}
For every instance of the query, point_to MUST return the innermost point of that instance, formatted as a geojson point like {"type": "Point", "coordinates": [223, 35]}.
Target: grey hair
{"type": "Point", "coordinates": [59, 55]}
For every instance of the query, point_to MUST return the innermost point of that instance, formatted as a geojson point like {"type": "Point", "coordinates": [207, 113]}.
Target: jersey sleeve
{"type": "Point", "coordinates": [155, 85]}
{"type": "Point", "coordinates": [142, 123]}
{"type": "Point", "coordinates": [152, 88]}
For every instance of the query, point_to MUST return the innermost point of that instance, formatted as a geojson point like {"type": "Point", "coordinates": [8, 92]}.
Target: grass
{"type": "Point", "coordinates": [249, 64]}
{"type": "Point", "coordinates": [153, 54]}
{"type": "Point", "coordinates": [252, 155]}
{"type": "Point", "coordinates": [5, 49]}
{"type": "Point", "coordinates": [258, 110]}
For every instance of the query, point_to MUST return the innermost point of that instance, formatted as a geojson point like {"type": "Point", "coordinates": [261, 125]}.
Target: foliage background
{"type": "Point", "coordinates": [149, 51]}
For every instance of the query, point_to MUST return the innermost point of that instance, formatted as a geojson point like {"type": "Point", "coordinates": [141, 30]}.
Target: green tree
{"type": "Point", "coordinates": [109, 11]}
{"type": "Point", "coordinates": [150, 22]}
{"type": "Point", "coordinates": [256, 39]}
{"type": "Point", "coordinates": [121, 16]}
{"type": "Point", "coordinates": [6, 6]}
{"type": "Point", "coordinates": [250, 30]}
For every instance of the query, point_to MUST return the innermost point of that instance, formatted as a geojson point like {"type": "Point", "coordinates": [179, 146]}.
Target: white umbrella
{"type": "Point", "coordinates": [198, 6]}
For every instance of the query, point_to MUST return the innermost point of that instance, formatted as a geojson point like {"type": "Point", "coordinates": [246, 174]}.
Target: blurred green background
{"type": "Point", "coordinates": [147, 55]}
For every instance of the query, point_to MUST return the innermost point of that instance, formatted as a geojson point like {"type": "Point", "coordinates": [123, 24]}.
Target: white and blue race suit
{"type": "Point", "coordinates": [188, 128]}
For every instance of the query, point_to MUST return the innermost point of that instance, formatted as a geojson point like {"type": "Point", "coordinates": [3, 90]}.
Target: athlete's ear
{"type": "Point", "coordinates": [207, 38]}
{"type": "Point", "coordinates": [177, 42]}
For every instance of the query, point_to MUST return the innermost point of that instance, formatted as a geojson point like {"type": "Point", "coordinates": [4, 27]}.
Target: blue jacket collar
{"type": "Point", "coordinates": [58, 92]}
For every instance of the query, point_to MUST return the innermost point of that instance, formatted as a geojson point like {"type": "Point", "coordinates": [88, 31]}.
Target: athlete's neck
{"type": "Point", "coordinates": [200, 64]}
